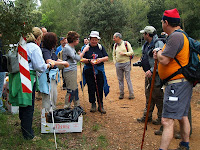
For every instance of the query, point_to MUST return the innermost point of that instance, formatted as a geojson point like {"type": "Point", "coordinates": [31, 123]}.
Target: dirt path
{"type": "Point", "coordinates": [119, 124]}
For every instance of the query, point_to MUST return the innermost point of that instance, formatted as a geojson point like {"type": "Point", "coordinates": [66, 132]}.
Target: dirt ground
{"type": "Point", "coordinates": [119, 124]}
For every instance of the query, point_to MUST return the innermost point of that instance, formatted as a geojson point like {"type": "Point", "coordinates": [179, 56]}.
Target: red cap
{"type": "Point", "coordinates": [171, 15]}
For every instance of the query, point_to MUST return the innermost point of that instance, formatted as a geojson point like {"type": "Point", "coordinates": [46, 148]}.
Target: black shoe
{"type": "Point", "coordinates": [139, 63]}
{"type": "Point", "coordinates": [158, 132]}
{"type": "Point", "coordinates": [177, 136]}
{"type": "Point", "coordinates": [121, 96]}
{"type": "Point", "coordinates": [143, 119]}
{"type": "Point", "coordinates": [157, 122]}
{"type": "Point", "coordinates": [181, 147]}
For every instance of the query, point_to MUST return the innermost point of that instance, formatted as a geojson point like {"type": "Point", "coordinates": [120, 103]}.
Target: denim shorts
{"type": "Point", "coordinates": [177, 99]}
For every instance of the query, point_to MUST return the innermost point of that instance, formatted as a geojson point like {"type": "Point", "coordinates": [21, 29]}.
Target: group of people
{"type": "Point", "coordinates": [172, 100]}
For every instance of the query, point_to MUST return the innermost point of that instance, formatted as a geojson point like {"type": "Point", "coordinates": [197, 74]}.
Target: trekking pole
{"type": "Point", "coordinates": [95, 78]}
{"type": "Point", "coordinates": [81, 80]}
{"type": "Point", "coordinates": [51, 110]}
{"type": "Point", "coordinates": [150, 97]}
{"type": "Point", "coordinates": [61, 79]}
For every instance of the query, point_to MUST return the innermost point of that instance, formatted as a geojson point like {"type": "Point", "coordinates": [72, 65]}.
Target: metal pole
{"type": "Point", "coordinates": [51, 110]}
{"type": "Point", "coordinates": [149, 102]}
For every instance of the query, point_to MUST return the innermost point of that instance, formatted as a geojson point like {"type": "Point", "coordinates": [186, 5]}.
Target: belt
{"type": "Point", "coordinates": [176, 81]}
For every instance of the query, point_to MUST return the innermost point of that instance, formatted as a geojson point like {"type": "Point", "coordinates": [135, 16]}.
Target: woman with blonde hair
{"type": "Point", "coordinates": [25, 101]}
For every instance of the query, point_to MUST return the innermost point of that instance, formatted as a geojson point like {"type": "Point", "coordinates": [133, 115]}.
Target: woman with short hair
{"type": "Point", "coordinates": [49, 44]}
{"type": "Point", "coordinates": [70, 73]}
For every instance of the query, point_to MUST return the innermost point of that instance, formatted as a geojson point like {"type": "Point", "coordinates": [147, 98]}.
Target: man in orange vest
{"type": "Point", "coordinates": [178, 90]}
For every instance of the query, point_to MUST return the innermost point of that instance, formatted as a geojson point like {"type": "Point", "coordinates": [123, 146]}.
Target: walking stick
{"type": "Point", "coordinates": [82, 79]}
{"type": "Point", "coordinates": [95, 78]}
{"type": "Point", "coordinates": [150, 97]}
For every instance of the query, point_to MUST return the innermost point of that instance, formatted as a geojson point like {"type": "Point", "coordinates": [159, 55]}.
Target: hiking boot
{"type": "Point", "coordinates": [158, 132]}
{"type": "Point", "coordinates": [131, 96]}
{"type": "Point", "coordinates": [102, 110]}
{"type": "Point", "coordinates": [143, 119]}
{"type": "Point", "coordinates": [181, 147]}
{"type": "Point", "coordinates": [93, 107]}
{"type": "Point", "coordinates": [177, 136]}
{"type": "Point", "coordinates": [121, 96]}
{"type": "Point", "coordinates": [157, 122]}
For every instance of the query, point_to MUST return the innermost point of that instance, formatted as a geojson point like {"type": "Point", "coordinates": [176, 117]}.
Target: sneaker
{"type": "Point", "coordinates": [131, 97]}
{"type": "Point", "coordinates": [157, 122]}
{"type": "Point", "coordinates": [143, 119]}
{"type": "Point", "coordinates": [36, 138]}
{"type": "Point", "coordinates": [93, 107]}
{"type": "Point", "coordinates": [121, 96]}
{"type": "Point", "coordinates": [158, 132]}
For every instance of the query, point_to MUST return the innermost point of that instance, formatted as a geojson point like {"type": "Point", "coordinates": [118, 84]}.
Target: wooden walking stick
{"type": "Point", "coordinates": [82, 86]}
{"type": "Point", "coordinates": [149, 102]}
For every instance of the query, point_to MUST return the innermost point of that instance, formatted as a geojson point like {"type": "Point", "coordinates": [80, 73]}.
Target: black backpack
{"type": "Point", "coordinates": [192, 70]}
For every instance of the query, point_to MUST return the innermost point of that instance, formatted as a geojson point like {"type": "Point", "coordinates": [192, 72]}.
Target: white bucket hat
{"type": "Point", "coordinates": [94, 34]}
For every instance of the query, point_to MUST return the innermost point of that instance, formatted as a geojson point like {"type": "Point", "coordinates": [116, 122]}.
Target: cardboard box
{"type": "Point", "coordinates": [60, 127]}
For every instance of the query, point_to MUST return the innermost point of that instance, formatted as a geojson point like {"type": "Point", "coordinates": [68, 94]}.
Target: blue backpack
{"type": "Point", "coordinates": [192, 70]}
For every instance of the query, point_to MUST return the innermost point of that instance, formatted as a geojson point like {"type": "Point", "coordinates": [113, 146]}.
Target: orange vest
{"type": "Point", "coordinates": [165, 71]}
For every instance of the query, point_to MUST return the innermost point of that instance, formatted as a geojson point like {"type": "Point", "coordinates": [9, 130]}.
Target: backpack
{"type": "Point", "coordinates": [10, 61]}
{"type": "Point", "coordinates": [192, 70]}
{"type": "Point", "coordinates": [125, 43]}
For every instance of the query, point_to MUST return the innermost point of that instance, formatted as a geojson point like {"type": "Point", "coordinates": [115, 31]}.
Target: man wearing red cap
{"type": "Point", "coordinates": [178, 90]}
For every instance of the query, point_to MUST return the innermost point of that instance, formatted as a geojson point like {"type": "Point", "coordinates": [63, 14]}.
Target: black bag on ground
{"type": "Point", "coordinates": [65, 115]}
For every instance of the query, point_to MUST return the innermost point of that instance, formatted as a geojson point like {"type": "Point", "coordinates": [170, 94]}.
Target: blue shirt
{"type": "Point", "coordinates": [58, 49]}
{"type": "Point", "coordinates": [37, 62]}
{"type": "Point", "coordinates": [49, 54]}
{"type": "Point", "coordinates": [83, 47]}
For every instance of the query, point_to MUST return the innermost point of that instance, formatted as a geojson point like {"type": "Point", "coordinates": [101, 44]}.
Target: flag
{"type": "Point", "coordinates": [24, 67]}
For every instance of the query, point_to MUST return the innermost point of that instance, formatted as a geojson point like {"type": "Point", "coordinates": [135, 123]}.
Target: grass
{"type": "Point", "coordinates": [11, 136]}
{"type": "Point", "coordinates": [95, 127]}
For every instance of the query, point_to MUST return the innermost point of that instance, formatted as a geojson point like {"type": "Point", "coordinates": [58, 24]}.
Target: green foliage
{"type": "Point", "coordinates": [189, 13]}
{"type": "Point", "coordinates": [16, 19]}
{"type": "Point", "coordinates": [136, 20]}
{"type": "Point", "coordinates": [103, 16]}
{"type": "Point", "coordinates": [155, 14]}
{"type": "Point", "coordinates": [60, 16]}
{"type": "Point", "coordinates": [95, 127]}
{"type": "Point", "coordinates": [102, 141]}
